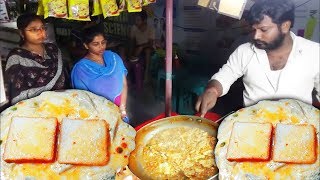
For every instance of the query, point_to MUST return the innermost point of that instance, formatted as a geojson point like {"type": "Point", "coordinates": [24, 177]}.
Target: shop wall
{"type": "Point", "coordinates": [207, 37]}
{"type": "Point", "coordinates": [192, 29]}
{"type": "Point", "coordinates": [307, 19]}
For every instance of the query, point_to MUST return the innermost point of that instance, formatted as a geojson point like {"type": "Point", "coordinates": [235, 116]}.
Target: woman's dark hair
{"type": "Point", "coordinates": [24, 20]}
{"type": "Point", "coordinates": [278, 10]}
{"type": "Point", "coordinates": [143, 15]}
{"type": "Point", "coordinates": [91, 32]}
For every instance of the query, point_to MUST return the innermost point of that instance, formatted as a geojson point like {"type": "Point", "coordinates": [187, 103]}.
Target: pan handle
{"type": "Point", "coordinates": [215, 177]}
{"type": "Point", "coordinates": [220, 119]}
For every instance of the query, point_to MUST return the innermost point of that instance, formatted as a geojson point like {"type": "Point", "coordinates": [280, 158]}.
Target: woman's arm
{"type": "Point", "coordinates": [123, 102]}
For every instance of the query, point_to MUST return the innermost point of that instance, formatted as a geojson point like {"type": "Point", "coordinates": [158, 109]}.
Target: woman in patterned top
{"type": "Point", "coordinates": [34, 67]}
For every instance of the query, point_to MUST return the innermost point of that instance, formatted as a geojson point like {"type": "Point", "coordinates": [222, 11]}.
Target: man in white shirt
{"type": "Point", "coordinates": [141, 40]}
{"type": "Point", "coordinates": [276, 64]}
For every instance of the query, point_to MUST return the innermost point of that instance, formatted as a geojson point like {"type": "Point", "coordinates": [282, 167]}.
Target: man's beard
{"type": "Point", "coordinates": [277, 42]}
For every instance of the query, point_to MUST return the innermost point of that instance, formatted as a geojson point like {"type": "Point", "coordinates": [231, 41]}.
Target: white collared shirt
{"type": "Point", "coordinates": [297, 79]}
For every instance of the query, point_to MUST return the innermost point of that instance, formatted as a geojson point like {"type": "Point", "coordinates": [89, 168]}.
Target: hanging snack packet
{"type": "Point", "coordinates": [109, 8]}
{"type": "Point", "coordinates": [134, 5]}
{"type": "Point", "coordinates": [96, 8]}
{"type": "Point", "coordinates": [121, 5]}
{"type": "Point", "coordinates": [146, 2]}
{"type": "Point", "coordinates": [79, 10]}
{"type": "Point", "coordinates": [4, 17]}
{"type": "Point", "coordinates": [40, 10]}
{"type": "Point", "coordinates": [55, 8]}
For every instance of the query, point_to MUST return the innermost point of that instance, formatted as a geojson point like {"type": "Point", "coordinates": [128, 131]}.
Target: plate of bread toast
{"type": "Point", "coordinates": [270, 140]}
{"type": "Point", "coordinates": [70, 134]}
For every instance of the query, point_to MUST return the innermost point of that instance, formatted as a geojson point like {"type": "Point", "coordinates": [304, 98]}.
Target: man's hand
{"type": "Point", "coordinates": [206, 101]}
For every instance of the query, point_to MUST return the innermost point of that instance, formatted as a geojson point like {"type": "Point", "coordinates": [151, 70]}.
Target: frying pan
{"type": "Point", "coordinates": [148, 131]}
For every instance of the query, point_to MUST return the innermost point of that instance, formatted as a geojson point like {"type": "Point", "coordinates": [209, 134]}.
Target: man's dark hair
{"type": "Point", "coordinates": [278, 10]}
{"type": "Point", "coordinates": [91, 32]}
{"type": "Point", "coordinates": [143, 14]}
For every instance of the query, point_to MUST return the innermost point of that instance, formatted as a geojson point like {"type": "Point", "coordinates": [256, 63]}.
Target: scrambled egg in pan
{"type": "Point", "coordinates": [180, 153]}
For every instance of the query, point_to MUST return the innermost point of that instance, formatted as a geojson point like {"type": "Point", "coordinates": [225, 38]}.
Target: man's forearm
{"type": "Point", "coordinates": [214, 86]}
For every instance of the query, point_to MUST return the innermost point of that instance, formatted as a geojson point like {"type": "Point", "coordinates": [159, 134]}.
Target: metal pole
{"type": "Point", "coordinates": [169, 24]}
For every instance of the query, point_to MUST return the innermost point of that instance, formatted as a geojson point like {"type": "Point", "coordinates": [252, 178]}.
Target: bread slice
{"type": "Point", "coordinates": [250, 142]}
{"type": "Point", "coordinates": [31, 140]}
{"type": "Point", "coordinates": [295, 144]}
{"type": "Point", "coordinates": [83, 142]}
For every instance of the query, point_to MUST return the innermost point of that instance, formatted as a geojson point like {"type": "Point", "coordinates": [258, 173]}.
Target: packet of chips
{"type": "Point", "coordinates": [134, 5]}
{"type": "Point", "coordinates": [79, 10]}
{"type": "Point", "coordinates": [4, 17]}
{"type": "Point", "coordinates": [121, 5]}
{"type": "Point", "coordinates": [55, 8]}
{"type": "Point", "coordinates": [146, 2]}
{"type": "Point", "coordinates": [40, 10]}
{"type": "Point", "coordinates": [96, 8]}
{"type": "Point", "coordinates": [109, 8]}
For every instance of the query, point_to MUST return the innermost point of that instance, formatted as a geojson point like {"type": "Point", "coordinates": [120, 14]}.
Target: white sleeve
{"type": "Point", "coordinates": [230, 71]}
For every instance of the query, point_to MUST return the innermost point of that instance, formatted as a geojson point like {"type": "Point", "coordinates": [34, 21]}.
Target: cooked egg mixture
{"type": "Point", "coordinates": [180, 153]}
{"type": "Point", "coordinates": [74, 104]}
{"type": "Point", "coordinates": [283, 111]}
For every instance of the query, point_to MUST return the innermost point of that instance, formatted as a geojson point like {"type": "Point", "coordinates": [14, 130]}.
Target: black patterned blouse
{"type": "Point", "coordinates": [28, 74]}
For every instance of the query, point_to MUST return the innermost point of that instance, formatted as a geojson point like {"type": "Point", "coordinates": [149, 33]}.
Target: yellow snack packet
{"type": "Point", "coordinates": [40, 10]}
{"type": "Point", "coordinates": [96, 8]}
{"type": "Point", "coordinates": [134, 5]}
{"type": "Point", "coordinates": [122, 5]}
{"type": "Point", "coordinates": [79, 10]}
{"type": "Point", "coordinates": [109, 8]}
{"type": "Point", "coordinates": [146, 2]}
{"type": "Point", "coordinates": [55, 8]}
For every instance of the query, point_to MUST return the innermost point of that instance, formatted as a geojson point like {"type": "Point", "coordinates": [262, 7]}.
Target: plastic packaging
{"type": "Point", "coordinates": [146, 2]}
{"type": "Point", "coordinates": [122, 5]}
{"type": "Point", "coordinates": [109, 8]}
{"type": "Point", "coordinates": [55, 8]}
{"type": "Point", "coordinates": [40, 10]}
{"type": "Point", "coordinates": [79, 10]}
{"type": "Point", "coordinates": [134, 5]}
{"type": "Point", "coordinates": [3, 12]}
{"type": "Point", "coordinates": [96, 8]}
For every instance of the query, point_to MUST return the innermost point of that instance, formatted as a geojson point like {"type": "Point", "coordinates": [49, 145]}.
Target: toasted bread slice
{"type": "Point", "coordinates": [295, 144]}
{"type": "Point", "coordinates": [83, 142]}
{"type": "Point", "coordinates": [250, 142]}
{"type": "Point", "coordinates": [31, 140]}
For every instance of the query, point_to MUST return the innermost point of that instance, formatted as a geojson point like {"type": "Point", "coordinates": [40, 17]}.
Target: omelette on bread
{"type": "Point", "coordinates": [250, 142]}
{"type": "Point", "coordinates": [31, 140]}
{"type": "Point", "coordinates": [83, 142]}
{"type": "Point", "coordinates": [294, 148]}
{"type": "Point", "coordinates": [104, 119]}
{"type": "Point", "coordinates": [295, 144]}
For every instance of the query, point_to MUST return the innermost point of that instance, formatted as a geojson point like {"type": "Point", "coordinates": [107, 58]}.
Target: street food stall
{"type": "Point", "coordinates": [75, 134]}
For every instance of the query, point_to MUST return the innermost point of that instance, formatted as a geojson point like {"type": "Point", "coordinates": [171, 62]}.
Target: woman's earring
{"type": "Point", "coordinates": [85, 46]}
